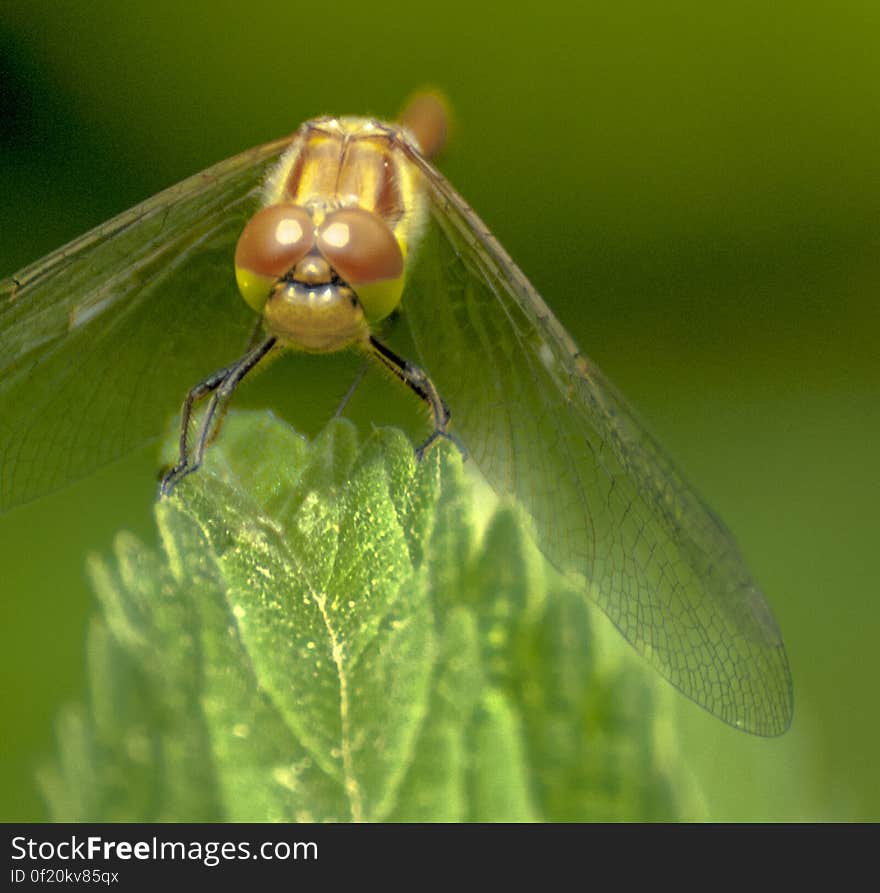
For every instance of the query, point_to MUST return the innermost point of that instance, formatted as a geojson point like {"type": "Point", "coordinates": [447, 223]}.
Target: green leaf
{"type": "Point", "coordinates": [328, 634]}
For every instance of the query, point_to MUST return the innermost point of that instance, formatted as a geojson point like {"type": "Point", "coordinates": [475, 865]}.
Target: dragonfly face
{"type": "Point", "coordinates": [332, 232]}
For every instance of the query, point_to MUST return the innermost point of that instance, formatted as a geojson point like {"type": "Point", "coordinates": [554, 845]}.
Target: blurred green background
{"type": "Point", "coordinates": [695, 189]}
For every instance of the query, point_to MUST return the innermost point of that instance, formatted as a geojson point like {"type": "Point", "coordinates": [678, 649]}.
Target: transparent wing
{"type": "Point", "coordinates": [100, 341]}
{"type": "Point", "coordinates": [544, 424]}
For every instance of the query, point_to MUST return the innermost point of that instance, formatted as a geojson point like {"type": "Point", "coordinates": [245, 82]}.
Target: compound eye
{"type": "Point", "coordinates": [273, 242]}
{"type": "Point", "coordinates": [360, 246]}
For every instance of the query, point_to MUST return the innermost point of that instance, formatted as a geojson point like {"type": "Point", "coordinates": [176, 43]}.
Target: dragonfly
{"type": "Point", "coordinates": [334, 236]}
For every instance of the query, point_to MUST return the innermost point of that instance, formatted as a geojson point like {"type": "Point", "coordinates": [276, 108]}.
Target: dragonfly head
{"type": "Point", "coordinates": [345, 272]}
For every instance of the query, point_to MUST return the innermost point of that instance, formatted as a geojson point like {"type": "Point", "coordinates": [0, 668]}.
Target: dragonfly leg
{"type": "Point", "coordinates": [359, 377]}
{"type": "Point", "coordinates": [221, 384]}
{"type": "Point", "coordinates": [418, 381]}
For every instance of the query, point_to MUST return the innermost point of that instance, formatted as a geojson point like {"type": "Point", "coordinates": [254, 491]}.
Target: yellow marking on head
{"type": "Point", "coordinates": [254, 288]}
